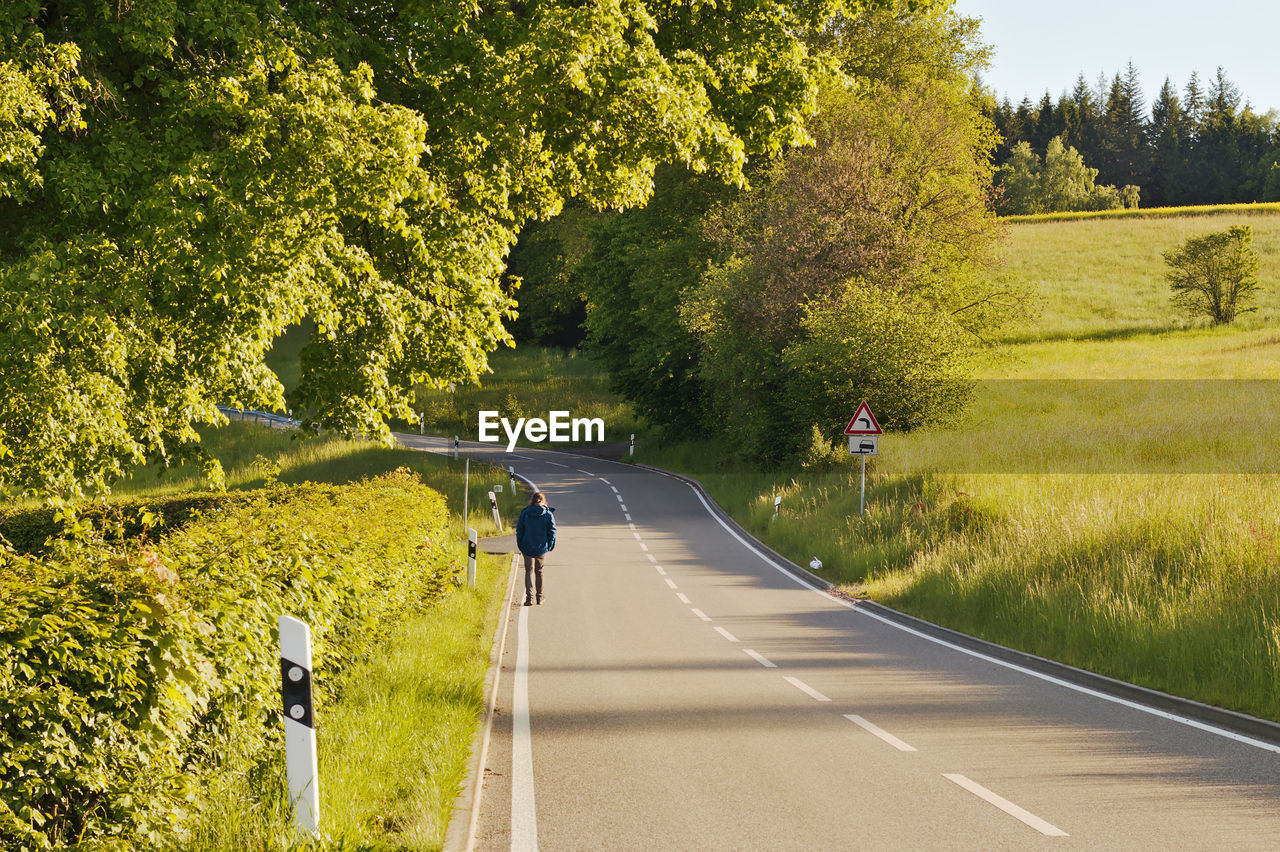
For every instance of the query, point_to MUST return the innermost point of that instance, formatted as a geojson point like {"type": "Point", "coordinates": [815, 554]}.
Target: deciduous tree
{"type": "Point", "coordinates": [213, 170]}
{"type": "Point", "coordinates": [1215, 275]}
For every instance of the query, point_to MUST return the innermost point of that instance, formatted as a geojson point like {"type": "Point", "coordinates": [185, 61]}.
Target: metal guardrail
{"type": "Point", "coordinates": [265, 418]}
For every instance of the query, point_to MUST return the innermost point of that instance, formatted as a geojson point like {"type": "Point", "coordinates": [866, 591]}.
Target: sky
{"type": "Point", "coordinates": [1041, 46]}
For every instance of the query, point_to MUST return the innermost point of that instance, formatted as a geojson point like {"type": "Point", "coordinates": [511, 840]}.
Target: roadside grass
{"type": "Point", "coordinates": [394, 748]}
{"type": "Point", "coordinates": [530, 382]}
{"type": "Point", "coordinates": [1111, 502]}
{"type": "Point", "coordinates": [252, 454]}
{"type": "Point", "coordinates": [1105, 277]}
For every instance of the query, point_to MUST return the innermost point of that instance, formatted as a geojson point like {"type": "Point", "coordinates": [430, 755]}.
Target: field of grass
{"type": "Point", "coordinates": [531, 382]}
{"type": "Point", "coordinates": [1111, 499]}
{"type": "Point", "coordinates": [1104, 278]}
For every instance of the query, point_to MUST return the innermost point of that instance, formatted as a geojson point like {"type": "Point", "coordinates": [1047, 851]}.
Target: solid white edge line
{"type": "Point", "coordinates": [524, 818]}
{"type": "Point", "coordinates": [602, 479]}
{"type": "Point", "coordinates": [805, 688]}
{"type": "Point", "coordinates": [726, 634]}
{"type": "Point", "coordinates": [684, 599]}
{"type": "Point", "coordinates": [759, 659]}
{"type": "Point", "coordinates": [671, 583]}
{"type": "Point", "coordinates": [879, 732]}
{"type": "Point", "coordinates": [482, 758]}
{"type": "Point", "coordinates": [701, 614]}
{"type": "Point", "coordinates": [1005, 805]}
{"type": "Point", "coordinates": [1115, 699]}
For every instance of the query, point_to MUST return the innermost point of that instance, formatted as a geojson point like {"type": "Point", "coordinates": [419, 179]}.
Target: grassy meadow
{"type": "Point", "coordinates": [1110, 499]}
{"type": "Point", "coordinates": [1104, 278]}
{"type": "Point", "coordinates": [530, 382]}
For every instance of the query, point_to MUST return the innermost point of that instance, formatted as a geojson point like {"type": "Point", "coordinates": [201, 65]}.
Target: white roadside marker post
{"type": "Point", "coordinates": [299, 725]}
{"type": "Point", "coordinates": [466, 492]}
{"type": "Point", "coordinates": [471, 559]}
{"type": "Point", "coordinates": [632, 450]}
{"type": "Point", "coordinates": [511, 471]}
{"type": "Point", "coordinates": [493, 504]}
{"type": "Point", "coordinates": [455, 446]}
{"type": "Point", "coordinates": [777, 506]}
{"type": "Point", "coordinates": [422, 422]}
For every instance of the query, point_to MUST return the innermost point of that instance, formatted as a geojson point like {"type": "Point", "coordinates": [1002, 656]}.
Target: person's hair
{"type": "Point", "coordinates": [537, 495]}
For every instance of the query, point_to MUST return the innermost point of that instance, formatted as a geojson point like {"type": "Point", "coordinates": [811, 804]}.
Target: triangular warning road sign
{"type": "Point", "coordinates": [863, 422]}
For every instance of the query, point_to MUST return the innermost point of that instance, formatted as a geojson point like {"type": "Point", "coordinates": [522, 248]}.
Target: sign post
{"type": "Point", "coordinates": [299, 725]}
{"type": "Point", "coordinates": [864, 440]}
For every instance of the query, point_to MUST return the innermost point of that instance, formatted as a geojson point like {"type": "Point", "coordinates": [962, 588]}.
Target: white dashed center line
{"type": "Point", "coordinates": [701, 614]}
{"type": "Point", "coordinates": [644, 546]}
{"type": "Point", "coordinates": [806, 689]}
{"type": "Point", "coordinates": [879, 732]}
{"type": "Point", "coordinates": [684, 599]}
{"type": "Point", "coordinates": [671, 583]}
{"type": "Point", "coordinates": [636, 534]}
{"type": "Point", "coordinates": [759, 659]}
{"type": "Point", "coordinates": [726, 634]}
{"type": "Point", "coordinates": [652, 558]}
{"type": "Point", "coordinates": [1005, 805]}
{"type": "Point", "coordinates": [661, 570]}
{"type": "Point", "coordinates": [626, 515]}
{"type": "Point", "coordinates": [557, 464]}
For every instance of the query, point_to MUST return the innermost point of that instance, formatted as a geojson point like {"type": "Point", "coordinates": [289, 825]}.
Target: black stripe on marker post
{"type": "Point", "coordinates": [296, 689]}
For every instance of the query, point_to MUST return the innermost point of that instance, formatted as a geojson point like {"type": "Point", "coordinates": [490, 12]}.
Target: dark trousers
{"type": "Point", "coordinates": [532, 571]}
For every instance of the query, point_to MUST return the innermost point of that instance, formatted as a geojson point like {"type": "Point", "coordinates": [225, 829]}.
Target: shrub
{"type": "Point", "coordinates": [130, 673]}
{"type": "Point", "coordinates": [1214, 275]}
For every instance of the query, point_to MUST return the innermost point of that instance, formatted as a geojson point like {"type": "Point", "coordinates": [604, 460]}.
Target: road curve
{"type": "Point", "coordinates": [676, 691]}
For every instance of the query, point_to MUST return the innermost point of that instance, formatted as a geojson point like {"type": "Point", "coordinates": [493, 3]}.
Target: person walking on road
{"type": "Point", "coordinates": [536, 537]}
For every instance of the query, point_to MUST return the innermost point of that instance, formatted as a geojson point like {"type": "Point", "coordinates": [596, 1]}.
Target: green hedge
{"type": "Point", "coordinates": [29, 530]}
{"type": "Point", "coordinates": [130, 672]}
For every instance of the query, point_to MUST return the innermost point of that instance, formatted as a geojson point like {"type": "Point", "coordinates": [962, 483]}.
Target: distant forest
{"type": "Point", "coordinates": [1203, 145]}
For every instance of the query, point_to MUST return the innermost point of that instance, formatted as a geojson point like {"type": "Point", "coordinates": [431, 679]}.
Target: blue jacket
{"type": "Point", "coordinates": [536, 530]}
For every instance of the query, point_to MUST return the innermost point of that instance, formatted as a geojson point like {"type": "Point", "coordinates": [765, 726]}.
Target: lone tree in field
{"type": "Point", "coordinates": [1214, 275]}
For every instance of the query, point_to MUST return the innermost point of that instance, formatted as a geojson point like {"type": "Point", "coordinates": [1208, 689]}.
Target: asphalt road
{"type": "Point", "coordinates": [677, 691]}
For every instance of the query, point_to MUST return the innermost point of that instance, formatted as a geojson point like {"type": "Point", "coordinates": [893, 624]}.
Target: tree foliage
{"type": "Point", "coordinates": [884, 217]}
{"type": "Point", "coordinates": [1206, 145]}
{"type": "Point", "coordinates": [180, 180]}
{"type": "Point", "coordinates": [1215, 275]}
{"type": "Point", "coordinates": [1060, 182]}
